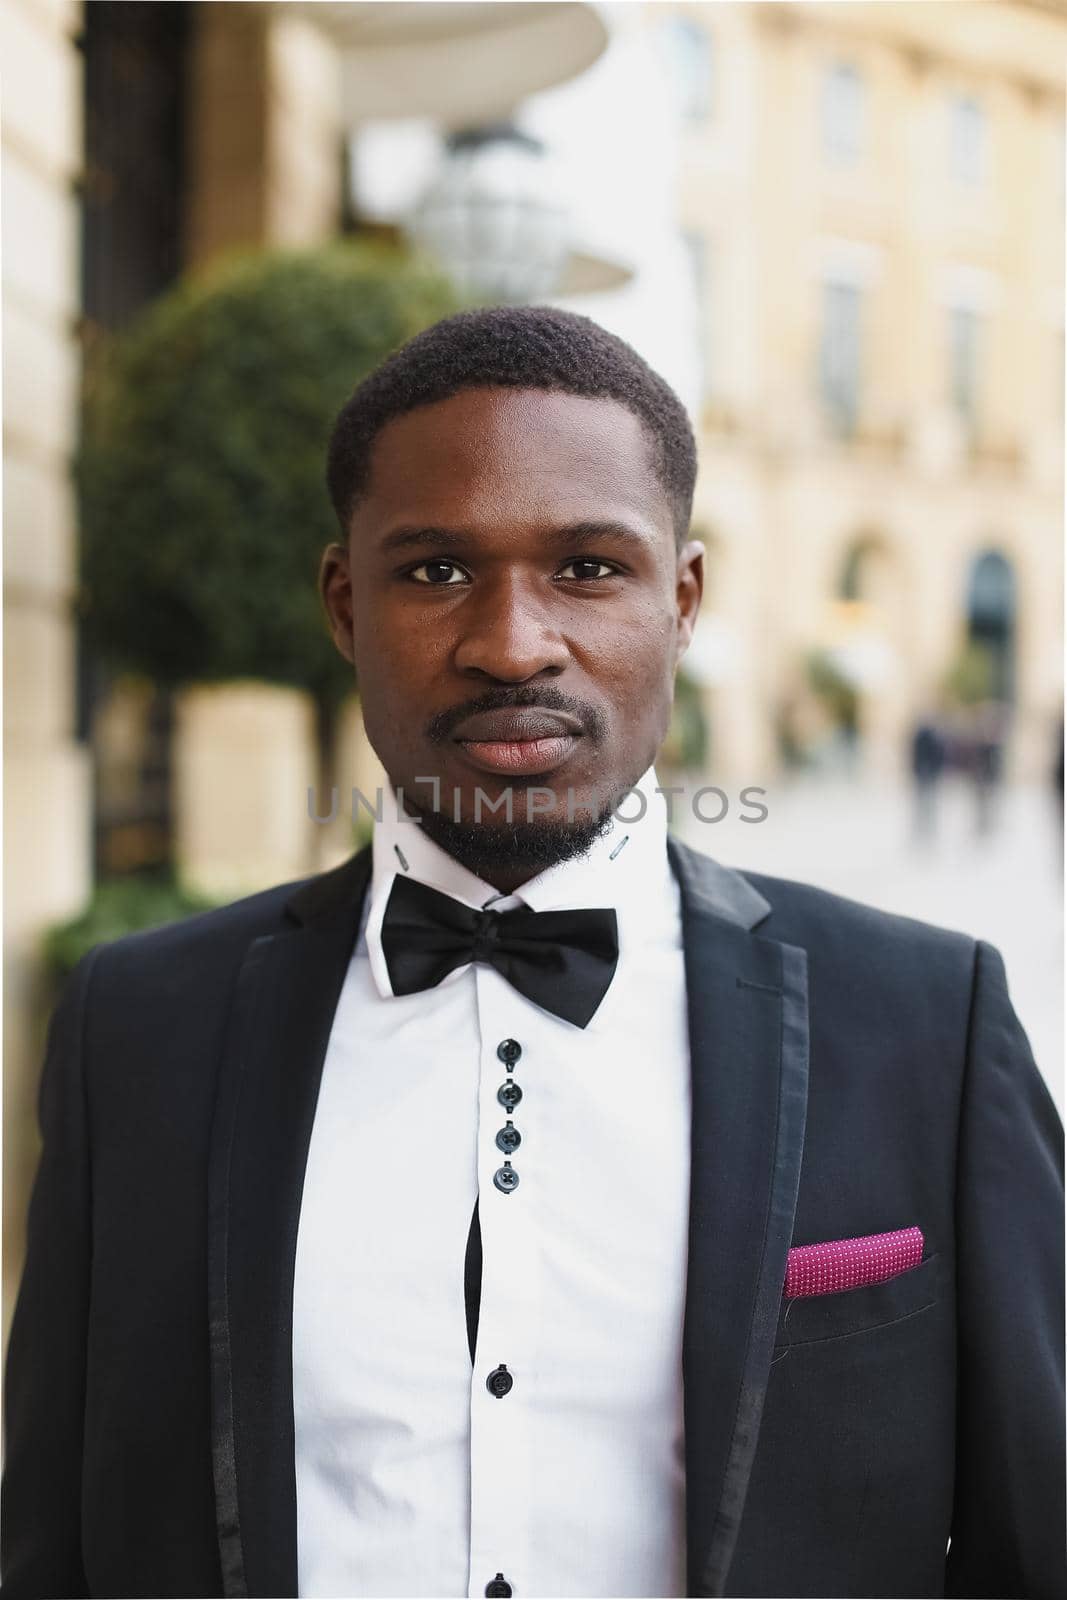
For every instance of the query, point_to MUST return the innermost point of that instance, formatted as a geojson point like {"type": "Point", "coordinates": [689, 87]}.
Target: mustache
{"type": "Point", "coordinates": [441, 726]}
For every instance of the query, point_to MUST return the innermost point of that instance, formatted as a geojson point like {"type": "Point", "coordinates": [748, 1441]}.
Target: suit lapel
{"type": "Point", "coordinates": [279, 1027]}
{"type": "Point", "coordinates": [747, 1000]}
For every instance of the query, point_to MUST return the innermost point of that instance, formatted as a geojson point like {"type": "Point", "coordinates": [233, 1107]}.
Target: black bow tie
{"type": "Point", "coordinates": [562, 960]}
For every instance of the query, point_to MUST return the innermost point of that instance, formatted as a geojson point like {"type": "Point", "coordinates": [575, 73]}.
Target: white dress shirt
{"type": "Point", "coordinates": [413, 1478]}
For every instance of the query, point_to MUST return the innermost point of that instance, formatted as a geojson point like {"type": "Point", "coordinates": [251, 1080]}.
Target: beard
{"type": "Point", "coordinates": [509, 847]}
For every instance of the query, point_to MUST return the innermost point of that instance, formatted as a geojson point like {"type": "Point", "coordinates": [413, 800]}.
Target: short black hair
{"type": "Point", "coordinates": [513, 347]}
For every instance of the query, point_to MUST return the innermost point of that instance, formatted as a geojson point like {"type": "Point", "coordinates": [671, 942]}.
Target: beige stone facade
{"type": "Point", "coordinates": [784, 192]}
{"type": "Point", "coordinates": [264, 147]}
{"type": "Point", "coordinates": [46, 774]}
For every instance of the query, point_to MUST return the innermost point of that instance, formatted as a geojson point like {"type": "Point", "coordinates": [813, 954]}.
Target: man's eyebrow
{"type": "Point", "coordinates": [436, 538]}
{"type": "Point", "coordinates": [571, 533]}
{"type": "Point", "coordinates": [590, 532]}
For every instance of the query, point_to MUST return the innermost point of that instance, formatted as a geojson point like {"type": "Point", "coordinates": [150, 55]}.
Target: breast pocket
{"type": "Point", "coordinates": [807, 1319]}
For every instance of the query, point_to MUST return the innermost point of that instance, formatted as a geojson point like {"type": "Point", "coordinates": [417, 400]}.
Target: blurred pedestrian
{"type": "Point", "coordinates": [1057, 787]}
{"type": "Point", "coordinates": [987, 763]}
{"type": "Point", "coordinates": [928, 753]}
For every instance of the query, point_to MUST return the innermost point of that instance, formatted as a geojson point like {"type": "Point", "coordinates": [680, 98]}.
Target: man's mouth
{"type": "Point", "coordinates": [518, 740]}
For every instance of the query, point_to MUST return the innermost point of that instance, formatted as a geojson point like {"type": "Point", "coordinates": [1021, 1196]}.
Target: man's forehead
{"type": "Point", "coordinates": [519, 441]}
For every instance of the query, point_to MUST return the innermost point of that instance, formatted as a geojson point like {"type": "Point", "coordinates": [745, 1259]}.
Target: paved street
{"type": "Point", "coordinates": [857, 840]}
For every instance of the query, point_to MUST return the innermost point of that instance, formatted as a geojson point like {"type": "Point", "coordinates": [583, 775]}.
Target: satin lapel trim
{"type": "Point", "coordinates": [283, 1008]}
{"type": "Point", "coordinates": [748, 1032]}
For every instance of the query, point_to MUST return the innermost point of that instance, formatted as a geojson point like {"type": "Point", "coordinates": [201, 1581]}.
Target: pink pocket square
{"type": "Point", "coordinates": [848, 1263]}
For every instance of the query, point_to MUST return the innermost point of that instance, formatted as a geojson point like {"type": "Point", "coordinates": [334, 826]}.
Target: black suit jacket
{"type": "Point", "coordinates": [852, 1073]}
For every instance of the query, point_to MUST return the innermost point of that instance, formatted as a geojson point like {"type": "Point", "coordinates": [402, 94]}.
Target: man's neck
{"type": "Point", "coordinates": [507, 882]}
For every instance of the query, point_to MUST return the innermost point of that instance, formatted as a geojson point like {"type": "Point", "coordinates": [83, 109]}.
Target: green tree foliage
{"type": "Point", "coordinates": [836, 692]}
{"type": "Point", "coordinates": [204, 507]}
{"type": "Point", "coordinates": [970, 679]}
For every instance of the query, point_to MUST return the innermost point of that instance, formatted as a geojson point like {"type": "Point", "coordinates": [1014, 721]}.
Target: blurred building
{"type": "Point", "coordinates": [873, 197]}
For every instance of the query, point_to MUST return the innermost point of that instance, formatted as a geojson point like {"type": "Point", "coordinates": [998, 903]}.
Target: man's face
{"type": "Point", "coordinates": [514, 603]}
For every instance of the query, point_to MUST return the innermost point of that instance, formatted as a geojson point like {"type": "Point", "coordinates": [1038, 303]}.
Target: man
{"type": "Point", "coordinates": [531, 1205]}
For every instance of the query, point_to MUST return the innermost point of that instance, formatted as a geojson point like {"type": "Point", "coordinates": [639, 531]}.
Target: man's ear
{"type": "Point", "coordinates": [335, 587]}
{"type": "Point", "coordinates": [689, 589]}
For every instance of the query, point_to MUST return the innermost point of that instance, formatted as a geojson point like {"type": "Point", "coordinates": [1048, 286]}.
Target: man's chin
{"type": "Point", "coordinates": [531, 846]}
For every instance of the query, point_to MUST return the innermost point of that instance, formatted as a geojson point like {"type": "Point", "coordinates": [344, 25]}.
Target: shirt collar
{"type": "Point", "coordinates": [623, 868]}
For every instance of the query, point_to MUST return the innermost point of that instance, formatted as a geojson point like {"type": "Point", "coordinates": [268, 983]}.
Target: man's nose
{"type": "Point", "coordinates": [509, 635]}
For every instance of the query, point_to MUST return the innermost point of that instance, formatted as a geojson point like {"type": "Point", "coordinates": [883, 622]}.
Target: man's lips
{"type": "Point", "coordinates": [518, 740]}
{"type": "Point", "coordinates": [516, 724]}
{"type": "Point", "coordinates": [525, 756]}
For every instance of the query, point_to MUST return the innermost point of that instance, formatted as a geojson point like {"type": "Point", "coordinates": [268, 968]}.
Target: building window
{"type": "Point", "coordinates": [843, 105]}
{"type": "Point", "coordinates": [967, 141]}
{"type": "Point", "coordinates": [964, 333]}
{"type": "Point", "coordinates": [839, 355]}
{"type": "Point", "coordinates": [991, 617]}
{"type": "Point", "coordinates": [698, 251]}
{"type": "Point", "coordinates": [690, 62]}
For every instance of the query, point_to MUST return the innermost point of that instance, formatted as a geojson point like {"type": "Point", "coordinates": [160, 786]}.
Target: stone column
{"type": "Point", "coordinates": [46, 773]}
{"type": "Point", "coordinates": [243, 761]}
{"type": "Point", "coordinates": [265, 168]}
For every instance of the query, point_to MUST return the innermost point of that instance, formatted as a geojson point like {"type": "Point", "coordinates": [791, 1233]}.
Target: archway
{"type": "Point", "coordinates": [991, 619]}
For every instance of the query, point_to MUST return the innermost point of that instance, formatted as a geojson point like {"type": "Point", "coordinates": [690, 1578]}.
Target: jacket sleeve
{"type": "Point", "coordinates": [44, 1388]}
{"type": "Point", "coordinates": [1008, 1526]}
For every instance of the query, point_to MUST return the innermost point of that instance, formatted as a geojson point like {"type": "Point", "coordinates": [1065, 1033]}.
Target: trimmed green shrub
{"type": "Point", "coordinates": [204, 507]}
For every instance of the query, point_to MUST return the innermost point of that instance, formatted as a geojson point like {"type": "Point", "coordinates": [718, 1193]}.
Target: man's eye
{"type": "Point", "coordinates": [438, 572]}
{"type": "Point", "coordinates": [584, 568]}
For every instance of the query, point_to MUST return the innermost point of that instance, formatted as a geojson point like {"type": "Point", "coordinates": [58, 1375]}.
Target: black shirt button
{"type": "Point", "coordinates": [509, 1095]}
{"type": "Point", "coordinates": [499, 1382]}
{"type": "Point", "coordinates": [499, 1586]}
{"type": "Point", "coordinates": [506, 1179]}
{"type": "Point", "coordinates": [509, 1051]}
{"type": "Point", "coordinates": [508, 1139]}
